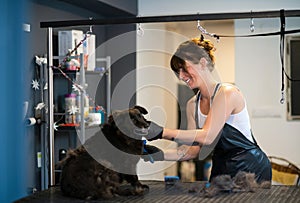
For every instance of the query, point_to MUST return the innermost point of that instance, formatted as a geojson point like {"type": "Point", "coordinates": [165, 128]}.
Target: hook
{"type": "Point", "coordinates": [90, 31]}
{"type": "Point", "coordinates": [199, 27]}
{"type": "Point", "coordinates": [140, 30]}
{"type": "Point", "coordinates": [282, 97]}
{"type": "Point", "coordinates": [198, 24]}
{"type": "Point", "coordinates": [252, 28]}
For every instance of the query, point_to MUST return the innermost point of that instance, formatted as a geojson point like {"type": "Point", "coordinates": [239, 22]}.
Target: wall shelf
{"type": "Point", "coordinates": [56, 111]}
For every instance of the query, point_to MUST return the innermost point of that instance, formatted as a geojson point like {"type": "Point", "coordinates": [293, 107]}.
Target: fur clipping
{"type": "Point", "coordinates": [241, 182]}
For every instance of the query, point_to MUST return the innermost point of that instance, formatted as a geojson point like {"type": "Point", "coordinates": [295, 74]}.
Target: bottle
{"type": "Point", "coordinates": [85, 107]}
{"type": "Point", "coordinates": [70, 102]}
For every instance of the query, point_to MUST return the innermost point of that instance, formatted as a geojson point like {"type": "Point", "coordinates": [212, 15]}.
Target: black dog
{"type": "Point", "coordinates": [99, 167]}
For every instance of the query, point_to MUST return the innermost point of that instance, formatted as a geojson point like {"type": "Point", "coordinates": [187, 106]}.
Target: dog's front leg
{"type": "Point", "coordinates": [137, 187]}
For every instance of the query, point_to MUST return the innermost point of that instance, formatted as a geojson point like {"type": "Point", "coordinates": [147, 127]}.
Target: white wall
{"type": "Point", "coordinates": [177, 7]}
{"type": "Point", "coordinates": [157, 90]}
{"type": "Point", "coordinates": [257, 66]}
{"type": "Point", "coordinates": [258, 74]}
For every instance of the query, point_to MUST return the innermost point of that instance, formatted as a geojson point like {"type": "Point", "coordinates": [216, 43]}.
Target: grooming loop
{"type": "Point", "coordinates": [282, 37]}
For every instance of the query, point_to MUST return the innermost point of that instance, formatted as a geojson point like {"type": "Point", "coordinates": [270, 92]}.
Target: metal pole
{"type": "Point", "coordinates": [107, 72]}
{"type": "Point", "coordinates": [45, 158]}
{"type": "Point", "coordinates": [51, 107]}
{"type": "Point", "coordinates": [108, 85]}
{"type": "Point", "coordinates": [43, 129]}
{"type": "Point", "coordinates": [82, 99]}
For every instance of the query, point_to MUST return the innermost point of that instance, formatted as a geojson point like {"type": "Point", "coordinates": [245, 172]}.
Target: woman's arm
{"type": "Point", "coordinates": [185, 152]}
{"type": "Point", "coordinates": [182, 153]}
{"type": "Point", "coordinates": [226, 101]}
{"type": "Point", "coordinates": [190, 113]}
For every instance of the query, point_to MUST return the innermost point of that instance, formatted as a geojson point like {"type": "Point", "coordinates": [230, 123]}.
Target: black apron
{"type": "Point", "coordinates": [234, 152]}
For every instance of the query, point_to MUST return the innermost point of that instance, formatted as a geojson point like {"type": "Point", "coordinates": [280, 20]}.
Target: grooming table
{"type": "Point", "coordinates": [179, 193]}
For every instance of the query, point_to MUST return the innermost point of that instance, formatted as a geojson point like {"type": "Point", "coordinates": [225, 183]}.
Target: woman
{"type": "Point", "coordinates": [217, 119]}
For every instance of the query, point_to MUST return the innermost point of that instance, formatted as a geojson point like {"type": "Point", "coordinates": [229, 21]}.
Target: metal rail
{"type": "Point", "coordinates": [172, 18]}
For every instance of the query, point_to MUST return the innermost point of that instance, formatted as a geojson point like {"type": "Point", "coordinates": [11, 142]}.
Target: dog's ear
{"type": "Point", "coordinates": [106, 128]}
{"type": "Point", "coordinates": [141, 109]}
{"type": "Point", "coordinates": [115, 114]}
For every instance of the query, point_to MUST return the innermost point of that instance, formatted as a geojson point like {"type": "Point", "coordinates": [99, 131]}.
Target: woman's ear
{"type": "Point", "coordinates": [203, 62]}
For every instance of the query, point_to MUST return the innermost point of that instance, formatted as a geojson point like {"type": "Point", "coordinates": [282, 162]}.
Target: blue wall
{"type": "Point", "coordinates": [12, 150]}
{"type": "Point", "coordinates": [18, 145]}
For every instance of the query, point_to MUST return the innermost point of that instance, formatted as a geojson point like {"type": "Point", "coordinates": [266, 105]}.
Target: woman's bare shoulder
{"type": "Point", "coordinates": [233, 93]}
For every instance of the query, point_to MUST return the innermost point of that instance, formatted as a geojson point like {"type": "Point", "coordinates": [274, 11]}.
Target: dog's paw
{"type": "Point", "coordinates": [145, 188]}
{"type": "Point", "coordinates": [141, 190]}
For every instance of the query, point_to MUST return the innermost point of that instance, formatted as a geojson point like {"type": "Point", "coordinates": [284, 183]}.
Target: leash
{"type": "Point", "coordinates": [145, 151]}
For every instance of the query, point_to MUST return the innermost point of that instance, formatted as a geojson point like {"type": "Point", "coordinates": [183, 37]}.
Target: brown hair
{"type": "Point", "coordinates": [193, 50]}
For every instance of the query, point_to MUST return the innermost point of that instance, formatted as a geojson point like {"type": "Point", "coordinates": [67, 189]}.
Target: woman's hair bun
{"type": "Point", "coordinates": [207, 45]}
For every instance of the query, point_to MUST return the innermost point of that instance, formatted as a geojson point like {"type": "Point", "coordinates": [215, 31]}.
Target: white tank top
{"type": "Point", "coordinates": [239, 121]}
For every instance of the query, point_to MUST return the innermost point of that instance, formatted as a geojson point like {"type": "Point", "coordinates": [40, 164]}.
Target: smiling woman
{"type": "Point", "coordinates": [220, 118]}
{"type": "Point", "coordinates": [158, 72]}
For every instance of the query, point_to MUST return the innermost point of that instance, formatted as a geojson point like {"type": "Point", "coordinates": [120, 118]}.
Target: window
{"type": "Point", "coordinates": [293, 70]}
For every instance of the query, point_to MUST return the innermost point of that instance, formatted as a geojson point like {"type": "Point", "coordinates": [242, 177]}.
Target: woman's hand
{"type": "Point", "coordinates": [154, 131]}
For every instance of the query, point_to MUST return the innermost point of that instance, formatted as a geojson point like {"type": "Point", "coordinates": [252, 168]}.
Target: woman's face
{"type": "Point", "coordinates": [191, 75]}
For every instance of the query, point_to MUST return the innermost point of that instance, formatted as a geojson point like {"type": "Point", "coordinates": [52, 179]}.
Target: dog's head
{"type": "Point", "coordinates": [126, 128]}
{"type": "Point", "coordinates": [130, 120]}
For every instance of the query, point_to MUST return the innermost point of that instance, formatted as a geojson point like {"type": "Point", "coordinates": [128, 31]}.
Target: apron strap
{"type": "Point", "coordinates": [197, 104]}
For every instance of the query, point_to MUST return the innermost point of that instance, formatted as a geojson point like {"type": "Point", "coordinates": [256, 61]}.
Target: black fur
{"type": "Point", "coordinates": [90, 172]}
{"type": "Point", "coordinates": [241, 182]}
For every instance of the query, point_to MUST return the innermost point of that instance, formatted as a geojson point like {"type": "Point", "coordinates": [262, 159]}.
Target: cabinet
{"type": "Point", "coordinates": [60, 83]}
